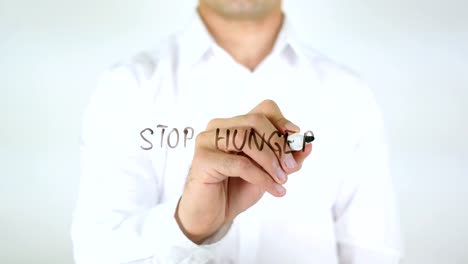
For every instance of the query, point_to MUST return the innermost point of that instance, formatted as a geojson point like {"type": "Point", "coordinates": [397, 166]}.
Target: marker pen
{"type": "Point", "coordinates": [297, 141]}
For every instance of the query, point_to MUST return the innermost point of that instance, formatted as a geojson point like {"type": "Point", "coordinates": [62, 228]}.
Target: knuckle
{"type": "Point", "coordinates": [243, 163]}
{"type": "Point", "coordinates": [255, 119]}
{"type": "Point", "coordinates": [269, 103]}
{"type": "Point", "coordinates": [213, 122]}
{"type": "Point", "coordinates": [241, 133]}
{"type": "Point", "coordinates": [200, 138]}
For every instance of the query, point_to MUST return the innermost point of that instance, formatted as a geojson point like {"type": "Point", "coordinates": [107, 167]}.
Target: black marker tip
{"type": "Point", "coordinates": [309, 138]}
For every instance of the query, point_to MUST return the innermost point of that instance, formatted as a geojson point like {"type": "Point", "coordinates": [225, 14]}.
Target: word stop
{"type": "Point", "coordinates": [172, 139]}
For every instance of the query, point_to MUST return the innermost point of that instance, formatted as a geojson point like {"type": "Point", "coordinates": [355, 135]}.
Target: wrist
{"type": "Point", "coordinates": [196, 231]}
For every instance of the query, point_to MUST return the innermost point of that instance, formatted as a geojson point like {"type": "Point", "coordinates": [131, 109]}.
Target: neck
{"type": "Point", "coordinates": [247, 41]}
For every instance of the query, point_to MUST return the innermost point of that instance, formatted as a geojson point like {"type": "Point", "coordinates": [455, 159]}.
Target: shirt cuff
{"type": "Point", "coordinates": [170, 243]}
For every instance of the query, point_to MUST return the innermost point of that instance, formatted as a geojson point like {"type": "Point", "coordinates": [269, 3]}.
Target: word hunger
{"type": "Point", "coordinates": [252, 137]}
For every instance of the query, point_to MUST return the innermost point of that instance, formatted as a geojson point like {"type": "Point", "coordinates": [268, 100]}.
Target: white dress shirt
{"type": "Point", "coordinates": [339, 208]}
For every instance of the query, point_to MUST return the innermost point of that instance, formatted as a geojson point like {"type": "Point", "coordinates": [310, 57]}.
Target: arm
{"type": "Point", "coordinates": [365, 211]}
{"type": "Point", "coordinates": [119, 217]}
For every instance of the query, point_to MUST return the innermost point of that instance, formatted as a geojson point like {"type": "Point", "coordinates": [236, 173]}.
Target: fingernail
{"type": "Point", "coordinates": [291, 126]}
{"type": "Point", "coordinates": [281, 174]}
{"type": "Point", "coordinates": [289, 161]}
{"type": "Point", "coordinates": [280, 189]}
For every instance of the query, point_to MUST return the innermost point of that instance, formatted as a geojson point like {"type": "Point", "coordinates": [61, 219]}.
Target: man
{"type": "Point", "coordinates": [147, 198]}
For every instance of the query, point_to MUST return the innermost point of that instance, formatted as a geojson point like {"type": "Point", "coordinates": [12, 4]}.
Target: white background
{"type": "Point", "coordinates": [413, 54]}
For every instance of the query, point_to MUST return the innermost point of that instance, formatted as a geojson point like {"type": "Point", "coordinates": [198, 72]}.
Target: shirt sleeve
{"type": "Point", "coordinates": [366, 220]}
{"type": "Point", "coordinates": [119, 216]}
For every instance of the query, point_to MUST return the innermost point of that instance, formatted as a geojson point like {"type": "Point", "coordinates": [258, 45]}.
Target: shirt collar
{"type": "Point", "coordinates": [195, 42]}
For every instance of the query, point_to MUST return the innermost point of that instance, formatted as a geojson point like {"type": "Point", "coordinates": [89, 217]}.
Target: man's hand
{"type": "Point", "coordinates": [223, 181]}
